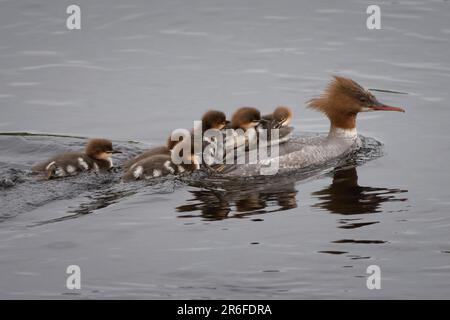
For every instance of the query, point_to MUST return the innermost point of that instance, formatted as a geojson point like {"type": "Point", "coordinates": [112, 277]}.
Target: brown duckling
{"type": "Point", "coordinates": [245, 118]}
{"type": "Point", "coordinates": [212, 119]}
{"type": "Point", "coordinates": [281, 117]}
{"type": "Point", "coordinates": [162, 164]}
{"type": "Point", "coordinates": [96, 156]}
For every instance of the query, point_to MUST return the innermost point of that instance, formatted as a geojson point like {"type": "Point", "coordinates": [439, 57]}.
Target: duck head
{"type": "Point", "coordinates": [214, 119]}
{"type": "Point", "coordinates": [245, 118]}
{"type": "Point", "coordinates": [343, 99]}
{"type": "Point", "coordinates": [282, 115]}
{"type": "Point", "coordinates": [100, 149]}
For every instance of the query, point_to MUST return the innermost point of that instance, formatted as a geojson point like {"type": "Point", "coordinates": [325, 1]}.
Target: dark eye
{"type": "Point", "coordinates": [363, 99]}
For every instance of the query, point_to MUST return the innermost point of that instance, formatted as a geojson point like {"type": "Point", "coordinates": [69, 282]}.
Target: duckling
{"type": "Point", "coordinates": [245, 118]}
{"type": "Point", "coordinates": [249, 119]}
{"type": "Point", "coordinates": [281, 117]}
{"type": "Point", "coordinates": [159, 150]}
{"type": "Point", "coordinates": [212, 119]}
{"type": "Point", "coordinates": [96, 156]}
{"type": "Point", "coordinates": [162, 164]}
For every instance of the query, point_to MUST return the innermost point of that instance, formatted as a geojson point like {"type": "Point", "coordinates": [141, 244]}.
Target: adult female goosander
{"type": "Point", "coordinates": [341, 102]}
{"type": "Point", "coordinates": [163, 164]}
{"type": "Point", "coordinates": [96, 157]}
{"type": "Point", "coordinates": [212, 119]}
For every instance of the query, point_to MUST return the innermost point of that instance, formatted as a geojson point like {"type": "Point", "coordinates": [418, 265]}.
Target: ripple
{"type": "Point", "coordinates": [23, 84]}
{"type": "Point", "coordinates": [52, 103]}
{"type": "Point", "coordinates": [182, 32]}
{"type": "Point", "coordinates": [38, 53]}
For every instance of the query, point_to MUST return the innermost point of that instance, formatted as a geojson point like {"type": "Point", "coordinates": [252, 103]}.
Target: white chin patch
{"type": "Point", "coordinates": [286, 122]}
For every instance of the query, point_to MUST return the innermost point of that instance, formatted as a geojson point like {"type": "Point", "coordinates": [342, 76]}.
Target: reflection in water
{"type": "Point", "coordinates": [343, 196]}
{"type": "Point", "coordinates": [246, 201]}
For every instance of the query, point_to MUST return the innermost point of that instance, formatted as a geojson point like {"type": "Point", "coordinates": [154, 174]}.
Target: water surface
{"type": "Point", "coordinates": [136, 70]}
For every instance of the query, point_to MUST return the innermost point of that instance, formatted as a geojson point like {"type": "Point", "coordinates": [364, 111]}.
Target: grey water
{"type": "Point", "coordinates": [139, 69]}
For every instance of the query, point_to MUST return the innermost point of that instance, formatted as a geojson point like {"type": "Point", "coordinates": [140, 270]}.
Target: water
{"type": "Point", "coordinates": [136, 70]}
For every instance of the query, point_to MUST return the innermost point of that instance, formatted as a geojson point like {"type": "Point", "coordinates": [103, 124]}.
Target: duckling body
{"type": "Point", "coordinates": [160, 150]}
{"type": "Point", "coordinates": [156, 166]}
{"type": "Point", "coordinates": [96, 157]}
{"type": "Point", "coordinates": [211, 119]}
{"type": "Point", "coordinates": [182, 159]}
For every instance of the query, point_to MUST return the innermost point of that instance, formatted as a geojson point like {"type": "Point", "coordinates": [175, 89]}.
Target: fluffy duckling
{"type": "Point", "coordinates": [212, 119]}
{"type": "Point", "coordinates": [245, 118]}
{"type": "Point", "coordinates": [162, 164]}
{"type": "Point", "coordinates": [96, 156]}
{"type": "Point", "coordinates": [281, 117]}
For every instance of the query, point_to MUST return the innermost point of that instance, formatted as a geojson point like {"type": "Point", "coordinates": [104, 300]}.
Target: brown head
{"type": "Point", "coordinates": [282, 115]}
{"type": "Point", "coordinates": [100, 149]}
{"type": "Point", "coordinates": [343, 99]}
{"type": "Point", "coordinates": [213, 119]}
{"type": "Point", "coordinates": [245, 118]}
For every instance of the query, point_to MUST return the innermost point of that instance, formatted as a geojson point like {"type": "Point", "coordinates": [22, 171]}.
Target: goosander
{"type": "Point", "coordinates": [211, 119]}
{"type": "Point", "coordinates": [162, 164]}
{"type": "Point", "coordinates": [96, 157]}
{"type": "Point", "coordinates": [341, 102]}
{"type": "Point", "coordinates": [245, 118]}
{"type": "Point", "coordinates": [281, 117]}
